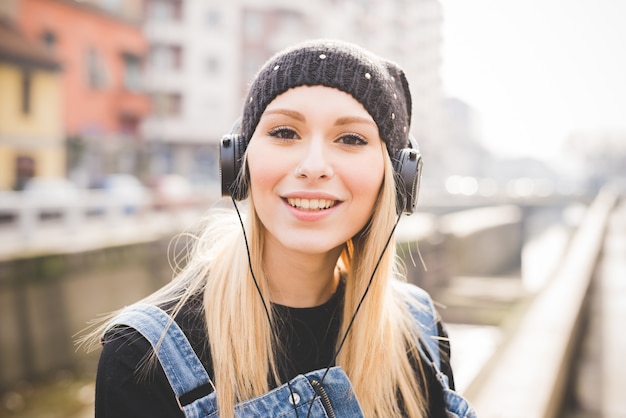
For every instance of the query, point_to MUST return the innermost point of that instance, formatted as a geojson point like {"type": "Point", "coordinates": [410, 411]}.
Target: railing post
{"type": "Point", "coordinates": [527, 375]}
{"type": "Point", "coordinates": [74, 216]}
{"type": "Point", "coordinates": [28, 218]}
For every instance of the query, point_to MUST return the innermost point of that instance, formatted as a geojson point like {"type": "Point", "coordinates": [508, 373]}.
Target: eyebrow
{"type": "Point", "coordinates": [346, 120]}
{"type": "Point", "coordinates": [291, 113]}
{"type": "Point", "coordinates": [354, 119]}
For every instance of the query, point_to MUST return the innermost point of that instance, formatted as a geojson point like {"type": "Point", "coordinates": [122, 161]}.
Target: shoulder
{"type": "Point", "coordinates": [418, 301]}
{"type": "Point", "coordinates": [152, 321]}
{"type": "Point", "coordinates": [124, 351]}
{"type": "Point", "coordinates": [424, 314]}
{"type": "Point", "coordinates": [430, 325]}
{"type": "Point", "coordinates": [128, 383]}
{"type": "Point", "coordinates": [128, 339]}
{"type": "Point", "coordinates": [412, 290]}
{"type": "Point", "coordinates": [122, 341]}
{"type": "Point", "coordinates": [144, 325]}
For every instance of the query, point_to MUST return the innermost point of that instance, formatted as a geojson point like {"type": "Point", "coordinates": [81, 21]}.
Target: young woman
{"type": "Point", "coordinates": [293, 304]}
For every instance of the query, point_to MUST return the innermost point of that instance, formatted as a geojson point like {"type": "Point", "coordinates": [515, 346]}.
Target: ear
{"type": "Point", "coordinates": [407, 165]}
{"type": "Point", "coordinates": [232, 149]}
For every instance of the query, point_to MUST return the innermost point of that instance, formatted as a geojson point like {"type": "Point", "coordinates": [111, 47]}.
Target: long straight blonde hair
{"type": "Point", "coordinates": [379, 348]}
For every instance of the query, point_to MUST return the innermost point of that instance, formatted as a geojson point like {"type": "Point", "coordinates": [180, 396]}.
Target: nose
{"type": "Point", "coordinates": [314, 164]}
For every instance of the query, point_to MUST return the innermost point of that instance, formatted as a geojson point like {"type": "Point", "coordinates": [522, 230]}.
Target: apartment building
{"type": "Point", "coordinates": [203, 53]}
{"type": "Point", "coordinates": [31, 134]}
{"type": "Point", "coordinates": [408, 32]}
{"type": "Point", "coordinates": [101, 55]}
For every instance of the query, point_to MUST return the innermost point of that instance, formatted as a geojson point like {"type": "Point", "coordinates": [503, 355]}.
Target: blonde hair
{"type": "Point", "coordinates": [378, 350]}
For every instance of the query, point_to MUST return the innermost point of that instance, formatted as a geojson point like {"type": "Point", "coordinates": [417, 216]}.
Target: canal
{"type": "Point", "coordinates": [46, 300]}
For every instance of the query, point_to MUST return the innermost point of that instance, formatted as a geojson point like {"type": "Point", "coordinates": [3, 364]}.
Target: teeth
{"type": "Point", "coordinates": [311, 204]}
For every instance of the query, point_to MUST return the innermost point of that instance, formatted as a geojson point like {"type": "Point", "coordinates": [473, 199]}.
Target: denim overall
{"type": "Point", "coordinates": [332, 398]}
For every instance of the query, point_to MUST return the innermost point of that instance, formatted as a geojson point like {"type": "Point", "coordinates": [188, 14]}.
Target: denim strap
{"type": "Point", "coordinates": [185, 372]}
{"type": "Point", "coordinates": [424, 315]}
{"type": "Point", "coordinates": [180, 363]}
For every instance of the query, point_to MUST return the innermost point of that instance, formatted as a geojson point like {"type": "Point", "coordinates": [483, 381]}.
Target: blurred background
{"type": "Point", "coordinates": [110, 116]}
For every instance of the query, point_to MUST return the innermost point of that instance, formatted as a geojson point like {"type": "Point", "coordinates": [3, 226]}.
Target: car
{"type": "Point", "coordinates": [126, 191]}
{"type": "Point", "coordinates": [52, 195]}
{"type": "Point", "coordinates": [173, 191]}
{"type": "Point", "coordinates": [56, 189]}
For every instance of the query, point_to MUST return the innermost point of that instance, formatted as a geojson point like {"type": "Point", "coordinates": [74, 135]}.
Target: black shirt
{"type": "Point", "coordinates": [308, 336]}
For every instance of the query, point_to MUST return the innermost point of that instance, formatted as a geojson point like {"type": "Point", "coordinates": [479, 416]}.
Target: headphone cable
{"type": "Point", "coordinates": [267, 313]}
{"type": "Point", "coordinates": [350, 324]}
{"type": "Point", "coordinates": [358, 307]}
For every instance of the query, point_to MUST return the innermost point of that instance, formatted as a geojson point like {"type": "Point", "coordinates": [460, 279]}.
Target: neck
{"type": "Point", "coordinates": [301, 280]}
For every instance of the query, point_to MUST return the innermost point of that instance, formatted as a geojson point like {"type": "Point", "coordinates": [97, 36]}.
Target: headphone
{"type": "Point", "coordinates": [407, 166]}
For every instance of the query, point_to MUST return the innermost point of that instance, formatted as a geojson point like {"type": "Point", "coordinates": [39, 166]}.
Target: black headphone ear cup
{"type": "Point", "coordinates": [407, 165]}
{"type": "Point", "coordinates": [232, 150]}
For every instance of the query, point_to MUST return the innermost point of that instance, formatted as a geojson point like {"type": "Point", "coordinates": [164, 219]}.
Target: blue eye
{"type": "Point", "coordinates": [283, 132]}
{"type": "Point", "coordinates": [352, 139]}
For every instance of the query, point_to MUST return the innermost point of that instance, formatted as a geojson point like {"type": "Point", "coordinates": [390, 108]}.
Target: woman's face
{"type": "Point", "coordinates": [316, 167]}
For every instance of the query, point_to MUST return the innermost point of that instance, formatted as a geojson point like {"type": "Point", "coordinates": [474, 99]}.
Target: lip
{"type": "Point", "coordinates": [310, 195]}
{"type": "Point", "coordinates": [310, 215]}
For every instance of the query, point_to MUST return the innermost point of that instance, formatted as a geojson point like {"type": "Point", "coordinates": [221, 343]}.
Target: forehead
{"type": "Point", "coordinates": [318, 99]}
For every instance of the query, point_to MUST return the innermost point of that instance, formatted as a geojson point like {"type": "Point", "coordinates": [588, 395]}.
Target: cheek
{"type": "Point", "coordinates": [265, 171]}
{"type": "Point", "coordinates": [365, 183]}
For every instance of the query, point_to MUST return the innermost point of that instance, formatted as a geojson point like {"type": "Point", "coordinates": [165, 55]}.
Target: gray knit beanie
{"type": "Point", "coordinates": [379, 85]}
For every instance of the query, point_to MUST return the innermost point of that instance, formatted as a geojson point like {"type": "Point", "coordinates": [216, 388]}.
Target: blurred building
{"type": "Point", "coordinates": [597, 156]}
{"type": "Point", "coordinates": [199, 59]}
{"type": "Point", "coordinates": [101, 54]}
{"type": "Point", "coordinates": [31, 133]}
{"type": "Point", "coordinates": [192, 76]}
{"type": "Point", "coordinates": [464, 154]}
{"type": "Point", "coordinates": [131, 10]}
{"type": "Point", "coordinates": [410, 33]}
{"type": "Point", "coordinates": [203, 54]}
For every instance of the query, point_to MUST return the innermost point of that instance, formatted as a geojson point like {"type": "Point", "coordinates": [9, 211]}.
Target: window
{"type": "Point", "coordinates": [132, 72]}
{"type": "Point", "coordinates": [96, 74]}
{"type": "Point", "coordinates": [164, 10]}
{"type": "Point", "coordinates": [49, 40]}
{"type": "Point", "coordinates": [166, 104]}
{"type": "Point", "coordinates": [254, 25]}
{"type": "Point", "coordinates": [213, 65]}
{"type": "Point", "coordinates": [289, 23]}
{"type": "Point", "coordinates": [129, 125]}
{"type": "Point", "coordinates": [111, 5]}
{"type": "Point", "coordinates": [213, 18]}
{"type": "Point", "coordinates": [166, 57]}
{"type": "Point", "coordinates": [26, 92]}
{"type": "Point", "coordinates": [24, 170]}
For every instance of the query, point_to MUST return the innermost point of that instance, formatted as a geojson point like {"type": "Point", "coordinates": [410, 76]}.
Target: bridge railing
{"type": "Point", "coordinates": [526, 377]}
{"type": "Point", "coordinates": [29, 225]}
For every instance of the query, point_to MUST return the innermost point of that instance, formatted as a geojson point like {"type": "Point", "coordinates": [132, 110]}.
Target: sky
{"type": "Point", "coordinates": [537, 70]}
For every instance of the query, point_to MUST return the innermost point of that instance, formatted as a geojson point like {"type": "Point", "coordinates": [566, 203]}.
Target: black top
{"type": "Point", "coordinates": [308, 335]}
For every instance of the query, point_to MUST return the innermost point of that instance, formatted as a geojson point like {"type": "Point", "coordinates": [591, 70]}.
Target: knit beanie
{"type": "Point", "coordinates": [379, 85]}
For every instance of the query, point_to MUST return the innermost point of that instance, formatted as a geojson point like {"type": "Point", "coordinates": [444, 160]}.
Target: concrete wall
{"type": "Point", "coordinates": [45, 301]}
{"type": "Point", "coordinates": [483, 241]}
{"type": "Point", "coordinates": [477, 242]}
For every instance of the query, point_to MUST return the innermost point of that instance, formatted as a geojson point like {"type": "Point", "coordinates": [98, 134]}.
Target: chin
{"type": "Point", "coordinates": [312, 246]}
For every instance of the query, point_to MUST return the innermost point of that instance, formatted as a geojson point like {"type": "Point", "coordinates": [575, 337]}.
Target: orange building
{"type": "Point", "coordinates": [101, 56]}
{"type": "Point", "coordinates": [31, 134]}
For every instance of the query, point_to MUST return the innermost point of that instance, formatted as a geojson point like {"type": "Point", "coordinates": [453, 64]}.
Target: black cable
{"type": "Point", "coordinates": [267, 313]}
{"type": "Point", "coordinates": [358, 307]}
{"type": "Point", "coordinates": [345, 336]}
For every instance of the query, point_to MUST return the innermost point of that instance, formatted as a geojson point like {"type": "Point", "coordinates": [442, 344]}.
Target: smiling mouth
{"type": "Point", "coordinates": [311, 204]}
